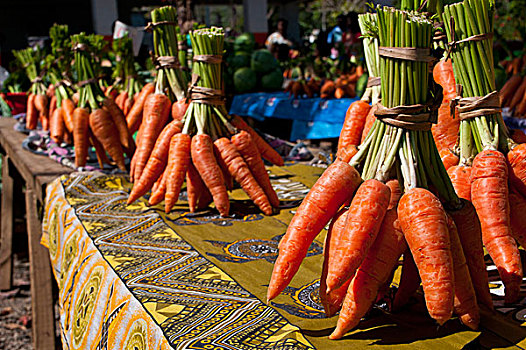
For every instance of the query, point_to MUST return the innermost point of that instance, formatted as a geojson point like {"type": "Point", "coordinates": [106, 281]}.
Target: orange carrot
{"type": "Point", "coordinates": [179, 109]}
{"type": "Point", "coordinates": [345, 154]}
{"type": "Point", "coordinates": [448, 158]}
{"type": "Point", "coordinates": [396, 193]}
{"type": "Point", "coordinates": [517, 160]}
{"type": "Point", "coordinates": [103, 129]}
{"type": "Point", "coordinates": [134, 117]}
{"type": "Point", "coordinates": [333, 188]}
{"type": "Point", "coordinates": [156, 111]}
{"type": "Point", "coordinates": [409, 282]}
{"type": "Point", "coordinates": [518, 94]}
{"type": "Point", "coordinates": [31, 113]}
{"type": "Point", "coordinates": [159, 193]}
{"type": "Point", "coordinates": [206, 164]}
{"type": "Point", "coordinates": [133, 176]}
{"type": "Point", "coordinates": [332, 301]}
{"type": "Point", "coordinates": [57, 126]}
{"type": "Point", "coordinates": [227, 177]}
{"type": "Point", "coordinates": [178, 161]}
{"type": "Point", "coordinates": [264, 148]}
{"type": "Point", "coordinates": [194, 187]}
{"type": "Point", "coordinates": [461, 179]}
{"type": "Point", "coordinates": [249, 152]}
{"type": "Point", "coordinates": [443, 75]}
{"type": "Point", "coordinates": [80, 135]}
{"type": "Point", "coordinates": [353, 125]}
{"type": "Point", "coordinates": [119, 120]}
{"type": "Point", "coordinates": [365, 216]}
{"type": "Point", "coordinates": [465, 304]}
{"type": "Point", "coordinates": [489, 194]}
{"type": "Point", "coordinates": [238, 168]}
{"type": "Point", "coordinates": [445, 131]}
{"type": "Point", "coordinates": [509, 88]}
{"type": "Point", "coordinates": [372, 274]}
{"type": "Point", "coordinates": [68, 107]}
{"type": "Point", "coordinates": [468, 228]}
{"type": "Point", "coordinates": [518, 217]}
{"type": "Point", "coordinates": [157, 162]}
{"type": "Point", "coordinates": [328, 89]}
{"type": "Point", "coordinates": [102, 158]}
{"type": "Point", "coordinates": [369, 121]}
{"type": "Point", "coordinates": [41, 104]}
{"type": "Point", "coordinates": [517, 135]}
{"type": "Point", "coordinates": [119, 100]}
{"type": "Point", "coordinates": [52, 107]}
{"type": "Point", "coordinates": [128, 105]}
{"type": "Point", "coordinates": [424, 224]}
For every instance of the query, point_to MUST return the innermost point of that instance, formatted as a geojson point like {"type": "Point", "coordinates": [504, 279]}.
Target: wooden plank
{"type": "Point", "coordinates": [41, 284]}
{"type": "Point", "coordinates": [6, 233]}
{"type": "Point", "coordinates": [29, 165]}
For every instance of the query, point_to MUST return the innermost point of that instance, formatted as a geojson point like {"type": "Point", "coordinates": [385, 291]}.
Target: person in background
{"type": "Point", "coordinates": [277, 42]}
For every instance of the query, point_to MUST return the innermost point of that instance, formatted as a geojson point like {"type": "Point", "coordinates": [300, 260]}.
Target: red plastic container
{"type": "Point", "coordinates": [17, 101]}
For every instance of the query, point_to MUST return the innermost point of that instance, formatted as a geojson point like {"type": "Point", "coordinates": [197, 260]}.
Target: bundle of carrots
{"type": "Point", "coordinates": [38, 101]}
{"type": "Point", "coordinates": [208, 147]}
{"type": "Point", "coordinates": [97, 120]}
{"type": "Point", "coordinates": [126, 82]}
{"type": "Point", "coordinates": [388, 197]}
{"type": "Point", "coordinates": [492, 167]}
{"type": "Point", "coordinates": [513, 95]}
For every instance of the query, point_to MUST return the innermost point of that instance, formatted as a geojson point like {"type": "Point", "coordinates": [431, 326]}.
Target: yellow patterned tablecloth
{"type": "Point", "coordinates": [131, 277]}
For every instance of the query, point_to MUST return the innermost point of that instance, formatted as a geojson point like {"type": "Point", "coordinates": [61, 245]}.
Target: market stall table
{"type": "Point", "coordinates": [131, 277]}
{"type": "Point", "coordinates": [21, 168]}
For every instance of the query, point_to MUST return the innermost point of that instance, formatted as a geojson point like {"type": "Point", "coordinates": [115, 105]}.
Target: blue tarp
{"type": "Point", "coordinates": [313, 118]}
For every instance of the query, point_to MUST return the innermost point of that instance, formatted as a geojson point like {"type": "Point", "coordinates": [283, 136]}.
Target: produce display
{"type": "Point", "coordinates": [202, 143]}
{"type": "Point", "coordinates": [388, 194]}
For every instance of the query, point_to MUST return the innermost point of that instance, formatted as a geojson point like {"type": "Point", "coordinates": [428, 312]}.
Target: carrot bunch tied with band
{"type": "Point", "coordinates": [490, 162]}
{"type": "Point", "coordinates": [372, 226]}
{"type": "Point", "coordinates": [97, 121]}
{"type": "Point", "coordinates": [205, 146]}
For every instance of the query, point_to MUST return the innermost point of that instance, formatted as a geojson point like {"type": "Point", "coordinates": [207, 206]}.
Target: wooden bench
{"type": "Point", "coordinates": [33, 172]}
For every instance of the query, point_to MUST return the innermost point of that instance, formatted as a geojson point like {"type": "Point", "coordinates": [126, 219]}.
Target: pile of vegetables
{"type": "Point", "coordinates": [202, 144]}
{"type": "Point", "coordinates": [390, 194]}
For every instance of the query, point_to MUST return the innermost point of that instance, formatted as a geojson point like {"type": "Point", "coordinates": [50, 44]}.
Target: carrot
{"type": "Point", "coordinates": [296, 89]}
{"type": "Point", "coordinates": [369, 121]}
{"type": "Point", "coordinates": [206, 164]}
{"type": "Point", "coordinates": [158, 182]}
{"type": "Point", "coordinates": [103, 129]}
{"type": "Point", "coordinates": [465, 304]}
{"type": "Point", "coordinates": [31, 113]}
{"type": "Point", "coordinates": [227, 177]}
{"type": "Point", "coordinates": [41, 104]}
{"type": "Point", "coordinates": [159, 193]}
{"type": "Point", "coordinates": [179, 109]}
{"type": "Point", "coordinates": [194, 187]}
{"type": "Point", "coordinates": [372, 274]}
{"type": "Point", "coordinates": [119, 120]}
{"type": "Point", "coordinates": [509, 88]}
{"type": "Point", "coordinates": [332, 301]}
{"type": "Point", "coordinates": [365, 216]}
{"type": "Point", "coordinates": [468, 228]}
{"type": "Point", "coordinates": [353, 125]}
{"type": "Point", "coordinates": [518, 217]}
{"type": "Point", "coordinates": [424, 224]}
{"type": "Point", "coordinates": [489, 194]}
{"type": "Point", "coordinates": [133, 118]}
{"type": "Point", "coordinates": [396, 193]}
{"type": "Point", "coordinates": [409, 282]}
{"type": "Point", "coordinates": [57, 126]}
{"type": "Point", "coordinates": [52, 107]}
{"type": "Point", "coordinates": [133, 176]}
{"type": "Point", "coordinates": [445, 131]}
{"type": "Point", "coordinates": [461, 179]}
{"type": "Point", "coordinates": [128, 105]}
{"type": "Point", "coordinates": [518, 94]}
{"type": "Point", "coordinates": [238, 168]}
{"type": "Point", "coordinates": [345, 154]}
{"type": "Point", "coordinates": [339, 93]}
{"type": "Point", "coordinates": [517, 135]}
{"type": "Point", "coordinates": [448, 158]}
{"type": "Point", "coordinates": [333, 188]}
{"type": "Point", "coordinates": [249, 152]}
{"type": "Point", "coordinates": [264, 148]}
{"type": "Point", "coordinates": [80, 135]}
{"type": "Point", "coordinates": [156, 111]}
{"type": "Point", "coordinates": [176, 168]}
{"type": "Point", "coordinates": [156, 163]}
{"type": "Point", "coordinates": [68, 107]}
{"type": "Point", "coordinates": [328, 89]}
{"type": "Point", "coordinates": [119, 100]}
{"type": "Point", "coordinates": [75, 98]}
{"type": "Point", "coordinates": [517, 161]}
{"type": "Point", "coordinates": [443, 75]}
